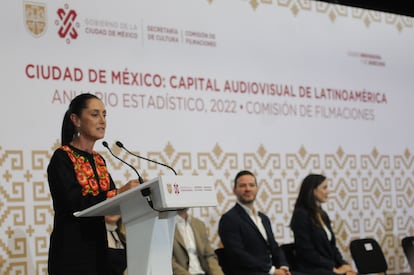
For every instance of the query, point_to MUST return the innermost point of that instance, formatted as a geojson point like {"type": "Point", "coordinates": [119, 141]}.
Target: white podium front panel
{"type": "Point", "coordinates": [167, 193]}
{"type": "Point", "coordinates": [176, 192]}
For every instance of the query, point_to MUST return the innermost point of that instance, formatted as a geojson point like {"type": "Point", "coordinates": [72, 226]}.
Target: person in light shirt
{"type": "Point", "coordinates": [116, 244]}
{"type": "Point", "coordinates": [247, 236]}
{"type": "Point", "coordinates": [192, 251]}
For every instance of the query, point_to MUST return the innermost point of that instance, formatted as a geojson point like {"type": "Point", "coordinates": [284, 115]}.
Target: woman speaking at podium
{"type": "Point", "coordinates": [78, 178]}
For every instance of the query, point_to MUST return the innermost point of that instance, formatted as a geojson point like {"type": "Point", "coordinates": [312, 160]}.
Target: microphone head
{"type": "Point", "coordinates": [119, 144]}
{"type": "Point", "coordinates": [105, 144]}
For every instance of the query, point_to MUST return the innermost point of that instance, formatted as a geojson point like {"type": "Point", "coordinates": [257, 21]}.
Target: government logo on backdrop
{"type": "Point", "coordinates": [68, 27]}
{"type": "Point", "coordinates": [35, 18]}
{"type": "Point", "coordinates": [67, 24]}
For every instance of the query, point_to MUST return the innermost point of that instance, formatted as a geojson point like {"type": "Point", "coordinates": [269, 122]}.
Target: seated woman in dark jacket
{"type": "Point", "coordinates": [315, 242]}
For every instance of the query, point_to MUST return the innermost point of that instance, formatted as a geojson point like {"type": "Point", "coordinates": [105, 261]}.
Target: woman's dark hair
{"type": "Point", "coordinates": [306, 199]}
{"type": "Point", "coordinates": [243, 173]}
{"type": "Point", "coordinates": [76, 106]}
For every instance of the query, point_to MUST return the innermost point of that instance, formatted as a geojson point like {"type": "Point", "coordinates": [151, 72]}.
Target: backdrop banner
{"type": "Point", "coordinates": [282, 88]}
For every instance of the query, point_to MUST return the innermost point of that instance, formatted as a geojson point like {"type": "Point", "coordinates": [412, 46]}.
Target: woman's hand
{"type": "Point", "coordinates": [130, 184]}
{"type": "Point", "coordinates": [344, 269]}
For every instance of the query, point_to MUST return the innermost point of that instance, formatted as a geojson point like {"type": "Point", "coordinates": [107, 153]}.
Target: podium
{"type": "Point", "coordinates": [150, 230]}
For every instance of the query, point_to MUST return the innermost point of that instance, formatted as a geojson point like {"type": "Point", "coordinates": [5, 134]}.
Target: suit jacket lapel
{"type": "Point", "coordinates": [197, 239]}
{"type": "Point", "coordinates": [179, 239]}
{"type": "Point", "coordinates": [266, 226]}
{"type": "Point", "coordinates": [247, 218]}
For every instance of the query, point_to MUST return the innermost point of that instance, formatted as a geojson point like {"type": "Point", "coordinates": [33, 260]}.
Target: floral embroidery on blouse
{"type": "Point", "coordinates": [86, 176]}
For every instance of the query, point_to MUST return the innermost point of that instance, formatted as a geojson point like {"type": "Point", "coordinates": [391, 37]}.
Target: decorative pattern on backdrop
{"type": "Point", "coordinates": [371, 195]}
{"type": "Point", "coordinates": [336, 12]}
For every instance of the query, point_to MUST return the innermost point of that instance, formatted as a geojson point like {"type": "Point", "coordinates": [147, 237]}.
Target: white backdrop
{"type": "Point", "coordinates": [212, 87]}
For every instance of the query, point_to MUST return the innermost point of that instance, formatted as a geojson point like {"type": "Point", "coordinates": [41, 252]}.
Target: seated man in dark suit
{"type": "Point", "coordinates": [247, 236]}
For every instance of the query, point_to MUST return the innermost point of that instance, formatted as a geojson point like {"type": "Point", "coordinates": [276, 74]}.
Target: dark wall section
{"type": "Point", "coordinates": [403, 7]}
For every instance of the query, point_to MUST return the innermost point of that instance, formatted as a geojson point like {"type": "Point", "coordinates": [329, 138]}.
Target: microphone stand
{"type": "Point", "coordinates": [120, 145]}
{"type": "Point", "coordinates": [146, 192]}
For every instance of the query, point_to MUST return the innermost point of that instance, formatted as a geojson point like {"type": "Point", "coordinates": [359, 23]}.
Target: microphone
{"type": "Point", "coordinates": [120, 145]}
{"type": "Point", "coordinates": [140, 179]}
{"type": "Point", "coordinates": [145, 192]}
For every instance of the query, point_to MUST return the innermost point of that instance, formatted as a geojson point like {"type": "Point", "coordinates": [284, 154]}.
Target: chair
{"type": "Point", "coordinates": [407, 244]}
{"type": "Point", "coordinates": [368, 256]}
{"type": "Point", "coordinates": [290, 254]}
{"type": "Point", "coordinates": [221, 256]}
